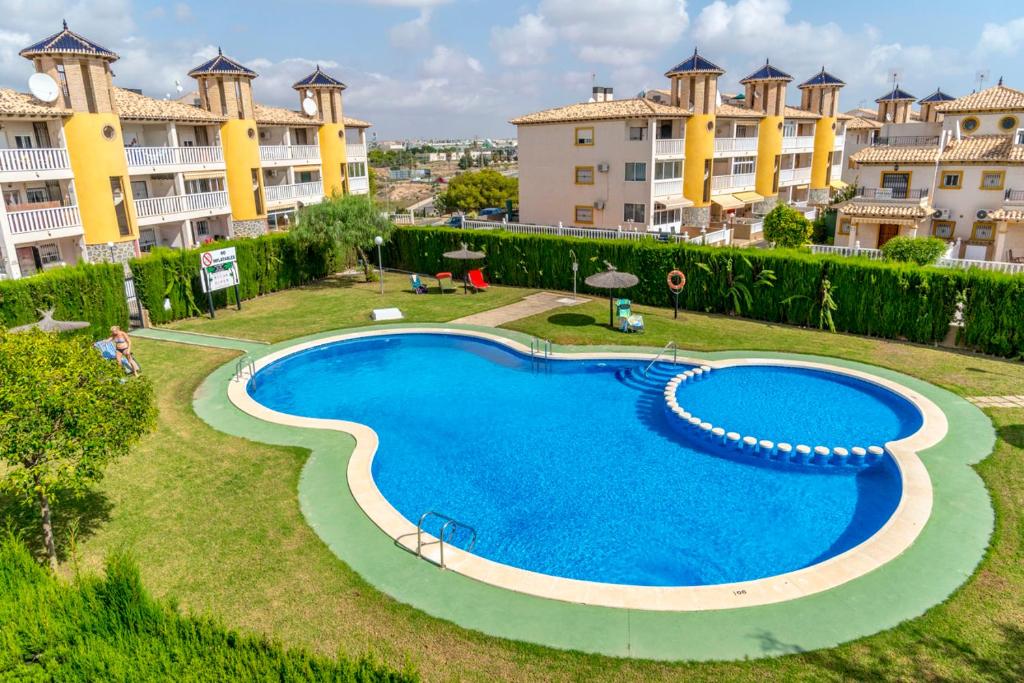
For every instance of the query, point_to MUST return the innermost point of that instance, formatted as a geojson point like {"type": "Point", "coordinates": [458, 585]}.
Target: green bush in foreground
{"type": "Point", "coordinates": [111, 629]}
{"type": "Point", "coordinates": [920, 250]}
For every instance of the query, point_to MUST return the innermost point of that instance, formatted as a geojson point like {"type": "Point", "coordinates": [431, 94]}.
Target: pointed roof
{"type": "Point", "coordinates": [896, 95]}
{"type": "Point", "coordinates": [767, 73]}
{"type": "Point", "coordinates": [936, 97]}
{"type": "Point", "coordinates": [822, 79]}
{"type": "Point", "coordinates": [222, 66]}
{"type": "Point", "coordinates": [66, 42]}
{"type": "Point", "coordinates": [996, 98]}
{"type": "Point", "coordinates": [318, 79]}
{"type": "Point", "coordinates": [695, 65]}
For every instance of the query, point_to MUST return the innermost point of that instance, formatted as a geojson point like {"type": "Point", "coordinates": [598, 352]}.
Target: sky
{"type": "Point", "coordinates": [463, 68]}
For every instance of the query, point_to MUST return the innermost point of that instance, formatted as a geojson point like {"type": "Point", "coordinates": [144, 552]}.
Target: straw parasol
{"type": "Point", "coordinates": [48, 324]}
{"type": "Point", "coordinates": [612, 280]}
{"type": "Point", "coordinates": [465, 254]}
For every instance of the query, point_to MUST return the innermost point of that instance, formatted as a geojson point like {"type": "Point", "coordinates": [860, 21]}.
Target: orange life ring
{"type": "Point", "coordinates": [676, 280]}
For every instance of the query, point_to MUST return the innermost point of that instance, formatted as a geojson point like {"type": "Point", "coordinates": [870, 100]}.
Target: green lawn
{"type": "Point", "coordinates": [213, 520]}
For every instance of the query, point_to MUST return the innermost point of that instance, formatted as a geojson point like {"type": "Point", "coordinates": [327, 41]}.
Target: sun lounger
{"type": "Point", "coordinates": [476, 280]}
{"type": "Point", "coordinates": [445, 282]}
{"type": "Point", "coordinates": [417, 285]}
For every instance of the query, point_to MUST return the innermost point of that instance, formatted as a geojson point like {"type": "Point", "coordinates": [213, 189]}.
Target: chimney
{"type": "Point", "coordinates": [602, 94]}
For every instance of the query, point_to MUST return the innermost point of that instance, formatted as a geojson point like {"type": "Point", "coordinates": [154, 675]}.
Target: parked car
{"type": "Point", "coordinates": [455, 222]}
{"type": "Point", "coordinates": [491, 214]}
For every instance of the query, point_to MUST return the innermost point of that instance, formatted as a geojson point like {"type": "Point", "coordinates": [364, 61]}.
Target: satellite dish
{"type": "Point", "coordinates": [177, 86]}
{"type": "Point", "coordinates": [309, 106]}
{"type": "Point", "coordinates": [888, 117]}
{"type": "Point", "coordinates": [43, 88]}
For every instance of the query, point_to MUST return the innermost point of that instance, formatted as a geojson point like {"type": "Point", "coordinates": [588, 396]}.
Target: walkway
{"type": "Point", "coordinates": [530, 305]}
{"type": "Point", "coordinates": [199, 339]}
{"type": "Point", "coordinates": [998, 401]}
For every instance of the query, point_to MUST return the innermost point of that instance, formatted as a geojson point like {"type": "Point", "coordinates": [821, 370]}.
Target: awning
{"type": "Point", "coordinates": [310, 167]}
{"type": "Point", "coordinates": [838, 185]}
{"type": "Point", "coordinates": [860, 220]}
{"type": "Point", "coordinates": [672, 203]}
{"type": "Point", "coordinates": [203, 175]}
{"type": "Point", "coordinates": [748, 197]}
{"type": "Point", "coordinates": [726, 201]}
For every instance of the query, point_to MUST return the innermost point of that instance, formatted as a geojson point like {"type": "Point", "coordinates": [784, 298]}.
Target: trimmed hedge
{"type": "Point", "coordinates": [93, 292]}
{"type": "Point", "coordinates": [266, 264]}
{"type": "Point", "coordinates": [890, 300]}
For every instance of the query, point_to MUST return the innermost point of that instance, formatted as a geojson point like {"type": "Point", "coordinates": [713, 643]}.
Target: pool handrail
{"type": "Point", "coordinates": [675, 356]}
{"type": "Point", "coordinates": [449, 522]}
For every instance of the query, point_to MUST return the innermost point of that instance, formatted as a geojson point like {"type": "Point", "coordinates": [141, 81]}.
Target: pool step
{"type": "Point", "coordinates": [654, 381]}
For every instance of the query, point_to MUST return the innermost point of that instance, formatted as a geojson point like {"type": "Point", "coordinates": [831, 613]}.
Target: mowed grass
{"type": "Point", "coordinates": [343, 301]}
{"type": "Point", "coordinates": [214, 522]}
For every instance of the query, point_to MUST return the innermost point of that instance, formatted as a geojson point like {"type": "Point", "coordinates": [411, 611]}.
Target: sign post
{"type": "Point", "coordinates": [218, 269]}
{"type": "Point", "coordinates": [676, 282]}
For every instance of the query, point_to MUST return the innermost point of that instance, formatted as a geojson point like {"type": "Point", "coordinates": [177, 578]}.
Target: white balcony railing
{"type": "Point", "coordinates": [669, 148]}
{"type": "Point", "coordinates": [673, 187]}
{"type": "Point", "coordinates": [724, 145]}
{"type": "Point", "coordinates": [289, 152]}
{"type": "Point", "coordinates": [359, 185]}
{"type": "Point", "coordinates": [798, 142]}
{"type": "Point", "coordinates": [42, 159]}
{"type": "Point", "coordinates": [731, 183]}
{"type": "Point", "coordinates": [182, 203]}
{"type": "Point", "coordinates": [173, 156]}
{"type": "Point", "coordinates": [38, 220]}
{"type": "Point", "coordinates": [277, 193]}
{"type": "Point", "coordinates": [840, 142]}
{"type": "Point", "coordinates": [355, 151]}
{"type": "Point", "coordinates": [791, 176]}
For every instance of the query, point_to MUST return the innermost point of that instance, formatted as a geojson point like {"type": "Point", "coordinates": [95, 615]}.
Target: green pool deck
{"type": "Point", "coordinates": [945, 554]}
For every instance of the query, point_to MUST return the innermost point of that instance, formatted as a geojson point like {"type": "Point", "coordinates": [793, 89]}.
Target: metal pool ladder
{"type": "Point", "coordinates": [540, 350]}
{"type": "Point", "coordinates": [450, 526]}
{"type": "Point", "coordinates": [245, 366]}
{"type": "Point", "coordinates": [675, 356]}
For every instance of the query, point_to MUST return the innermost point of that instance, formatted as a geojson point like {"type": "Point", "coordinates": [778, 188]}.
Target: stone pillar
{"type": "Point", "coordinates": [999, 243]}
{"type": "Point", "coordinates": [698, 216]}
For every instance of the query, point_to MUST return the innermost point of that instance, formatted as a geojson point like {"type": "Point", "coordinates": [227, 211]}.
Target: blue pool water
{"type": "Point", "coordinates": [571, 469]}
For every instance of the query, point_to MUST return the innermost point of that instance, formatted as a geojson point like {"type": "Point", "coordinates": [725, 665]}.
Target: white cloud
{"type": "Point", "coordinates": [183, 12]}
{"type": "Point", "coordinates": [1004, 38]}
{"type": "Point", "coordinates": [446, 62]}
{"type": "Point", "coordinates": [524, 44]}
{"type": "Point", "coordinates": [412, 34]}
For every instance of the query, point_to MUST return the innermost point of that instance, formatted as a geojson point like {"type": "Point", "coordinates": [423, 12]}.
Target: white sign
{"type": "Point", "coordinates": [219, 279]}
{"type": "Point", "coordinates": [218, 257]}
{"type": "Point", "coordinates": [218, 269]}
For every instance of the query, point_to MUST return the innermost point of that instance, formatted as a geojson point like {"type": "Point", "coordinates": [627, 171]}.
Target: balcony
{"type": "Point", "coordinates": [840, 142]}
{"type": "Point", "coordinates": [798, 143]}
{"type": "Point", "coordinates": [283, 155]}
{"type": "Point", "coordinates": [1014, 197]}
{"type": "Point", "coordinates": [906, 140]}
{"type": "Point", "coordinates": [355, 152]}
{"type": "Point", "coordinates": [670, 187]}
{"type": "Point", "coordinates": [359, 185]}
{"type": "Point", "coordinates": [735, 145]}
{"type": "Point", "coordinates": [737, 182]}
{"type": "Point", "coordinates": [156, 210]}
{"type": "Point", "coordinates": [893, 194]}
{"type": "Point", "coordinates": [308, 192]}
{"type": "Point", "coordinates": [795, 176]}
{"type": "Point", "coordinates": [52, 222]}
{"type": "Point", "coordinates": [170, 159]}
{"type": "Point", "coordinates": [47, 163]}
{"type": "Point", "coordinates": [670, 147]}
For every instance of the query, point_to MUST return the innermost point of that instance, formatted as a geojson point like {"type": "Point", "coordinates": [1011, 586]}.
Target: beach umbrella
{"type": "Point", "coordinates": [48, 324]}
{"type": "Point", "coordinates": [612, 280]}
{"type": "Point", "coordinates": [464, 254]}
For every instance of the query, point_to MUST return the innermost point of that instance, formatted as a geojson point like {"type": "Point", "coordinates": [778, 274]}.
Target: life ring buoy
{"type": "Point", "coordinates": [676, 280]}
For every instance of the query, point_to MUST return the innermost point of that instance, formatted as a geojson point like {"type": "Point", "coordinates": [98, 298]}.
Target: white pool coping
{"type": "Point", "coordinates": [895, 536]}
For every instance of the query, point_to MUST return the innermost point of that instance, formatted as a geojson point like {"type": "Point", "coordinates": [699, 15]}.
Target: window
{"type": "Point", "coordinates": [257, 192]}
{"type": "Point", "coordinates": [23, 141]}
{"type": "Point", "coordinates": [356, 169]}
{"type": "Point", "coordinates": [139, 189]}
{"type": "Point", "coordinates": [634, 213]}
{"type": "Point", "coordinates": [147, 239]}
{"type": "Point", "coordinates": [899, 183]}
{"type": "Point", "coordinates": [706, 191]}
{"type": "Point", "coordinates": [844, 227]}
{"type": "Point", "coordinates": [117, 190]}
{"type": "Point", "coordinates": [49, 253]}
{"type": "Point", "coordinates": [62, 78]}
{"type": "Point", "coordinates": [668, 217]}
{"type": "Point", "coordinates": [637, 133]}
{"type": "Point", "coordinates": [952, 180]}
{"type": "Point", "coordinates": [299, 136]}
{"type": "Point", "coordinates": [745, 131]}
{"type": "Point", "coordinates": [584, 137]}
{"type": "Point", "coordinates": [742, 165]}
{"type": "Point", "coordinates": [1020, 136]}
{"type": "Point", "coordinates": [204, 185]}
{"type": "Point", "coordinates": [90, 95]}
{"type": "Point", "coordinates": [668, 170]}
{"type": "Point", "coordinates": [1008, 123]}
{"type": "Point", "coordinates": [36, 195]}
{"type": "Point", "coordinates": [636, 171]}
{"type": "Point", "coordinates": [584, 175]}
{"type": "Point", "coordinates": [202, 228]}
{"type": "Point", "coordinates": [943, 229]}
{"type": "Point", "coordinates": [969, 124]}
{"type": "Point", "coordinates": [238, 99]}
{"type": "Point", "coordinates": [992, 180]}
{"type": "Point", "coordinates": [304, 177]}
{"type": "Point", "coordinates": [789, 129]}
{"type": "Point", "coordinates": [983, 231]}
{"type": "Point", "coordinates": [585, 215]}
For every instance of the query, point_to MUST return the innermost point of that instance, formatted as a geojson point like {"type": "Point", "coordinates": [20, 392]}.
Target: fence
{"type": "Point", "coordinates": [720, 236]}
{"type": "Point", "coordinates": [945, 262]}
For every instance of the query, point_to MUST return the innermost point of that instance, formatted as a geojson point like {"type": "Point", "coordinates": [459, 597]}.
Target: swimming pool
{"type": "Point", "coordinates": [570, 468]}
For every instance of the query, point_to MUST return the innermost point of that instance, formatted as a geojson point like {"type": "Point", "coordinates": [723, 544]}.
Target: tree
{"type": "Point", "coordinates": [920, 250]}
{"type": "Point", "coordinates": [478, 190]}
{"type": "Point", "coordinates": [65, 413]}
{"type": "Point", "coordinates": [348, 223]}
{"type": "Point", "coordinates": [786, 227]}
{"type": "Point", "coordinates": [465, 161]}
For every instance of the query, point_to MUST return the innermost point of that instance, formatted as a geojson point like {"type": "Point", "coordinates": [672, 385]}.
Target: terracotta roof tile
{"type": "Point", "coordinates": [279, 116]}
{"type": "Point", "coordinates": [1010, 215]}
{"type": "Point", "coordinates": [132, 106]}
{"type": "Point", "coordinates": [996, 98]}
{"type": "Point", "coordinates": [974, 148]}
{"type": "Point", "coordinates": [356, 123]}
{"type": "Point", "coordinates": [861, 123]}
{"type": "Point", "coordinates": [597, 111]}
{"type": "Point", "coordinates": [890, 154]}
{"type": "Point", "coordinates": [882, 210]}
{"type": "Point", "coordinates": [14, 103]}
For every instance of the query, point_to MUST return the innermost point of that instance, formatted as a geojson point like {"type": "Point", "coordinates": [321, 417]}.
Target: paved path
{"type": "Point", "coordinates": [998, 401]}
{"type": "Point", "coordinates": [197, 339]}
{"type": "Point", "coordinates": [530, 305]}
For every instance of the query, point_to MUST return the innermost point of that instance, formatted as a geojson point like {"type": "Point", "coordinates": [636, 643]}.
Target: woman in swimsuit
{"type": "Point", "coordinates": [123, 349]}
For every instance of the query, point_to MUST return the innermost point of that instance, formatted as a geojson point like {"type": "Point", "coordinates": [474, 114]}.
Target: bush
{"type": "Point", "coordinates": [266, 264]}
{"type": "Point", "coordinates": [890, 300]}
{"type": "Point", "coordinates": [111, 629]}
{"type": "Point", "coordinates": [920, 250]}
{"type": "Point", "coordinates": [92, 292]}
{"type": "Point", "coordinates": [478, 190]}
{"type": "Point", "coordinates": [786, 227]}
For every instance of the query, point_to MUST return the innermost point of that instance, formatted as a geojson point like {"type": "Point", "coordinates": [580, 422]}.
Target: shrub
{"type": "Point", "coordinates": [478, 190]}
{"type": "Point", "coordinates": [920, 250]}
{"type": "Point", "coordinates": [786, 227]}
{"type": "Point", "coordinates": [92, 292]}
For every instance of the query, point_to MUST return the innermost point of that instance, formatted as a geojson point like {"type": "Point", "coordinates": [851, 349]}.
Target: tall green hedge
{"type": "Point", "coordinates": [266, 264]}
{"type": "Point", "coordinates": [890, 300]}
{"type": "Point", "coordinates": [85, 292]}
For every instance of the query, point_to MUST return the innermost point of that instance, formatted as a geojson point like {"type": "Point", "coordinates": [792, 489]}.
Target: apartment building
{"type": "Point", "coordinates": [91, 171]}
{"type": "Point", "coordinates": [682, 159]}
{"type": "Point", "coordinates": [953, 170]}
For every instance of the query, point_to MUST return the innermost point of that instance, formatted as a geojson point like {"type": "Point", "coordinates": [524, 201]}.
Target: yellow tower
{"type": "Point", "coordinates": [85, 91]}
{"type": "Point", "coordinates": [225, 89]}
{"type": "Point", "coordinates": [695, 87]}
{"type": "Point", "coordinates": [820, 94]}
{"type": "Point", "coordinates": [765, 92]}
{"type": "Point", "coordinates": [320, 98]}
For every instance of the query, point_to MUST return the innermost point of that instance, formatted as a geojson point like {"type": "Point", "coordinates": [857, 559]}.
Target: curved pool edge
{"type": "Point", "coordinates": [946, 552]}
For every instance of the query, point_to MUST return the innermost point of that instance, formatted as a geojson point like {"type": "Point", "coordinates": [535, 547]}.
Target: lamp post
{"type": "Point", "coordinates": [110, 249]}
{"type": "Point", "coordinates": [378, 240]}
